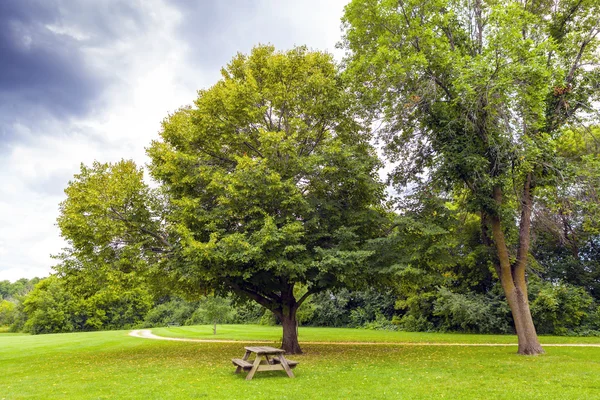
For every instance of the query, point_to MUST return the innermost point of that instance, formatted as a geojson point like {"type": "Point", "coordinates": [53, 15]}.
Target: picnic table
{"type": "Point", "coordinates": [267, 359]}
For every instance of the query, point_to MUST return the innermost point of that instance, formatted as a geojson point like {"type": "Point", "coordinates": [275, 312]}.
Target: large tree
{"type": "Point", "coordinates": [472, 94]}
{"type": "Point", "coordinates": [272, 183]}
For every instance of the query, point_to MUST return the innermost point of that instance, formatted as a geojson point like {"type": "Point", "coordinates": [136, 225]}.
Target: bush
{"type": "Point", "coordinates": [112, 308]}
{"type": "Point", "coordinates": [563, 309]}
{"type": "Point", "coordinates": [175, 311]}
{"type": "Point", "coordinates": [381, 323]}
{"type": "Point", "coordinates": [247, 313]}
{"type": "Point", "coordinates": [349, 308]}
{"type": "Point", "coordinates": [49, 308]}
{"type": "Point", "coordinates": [471, 312]}
{"type": "Point", "coordinates": [411, 323]}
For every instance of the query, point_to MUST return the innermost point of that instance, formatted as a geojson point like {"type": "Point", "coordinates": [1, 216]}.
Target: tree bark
{"type": "Point", "coordinates": [512, 277]}
{"type": "Point", "coordinates": [290, 332]}
{"type": "Point", "coordinates": [284, 305]}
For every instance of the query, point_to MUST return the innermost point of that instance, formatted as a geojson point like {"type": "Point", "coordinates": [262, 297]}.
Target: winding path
{"type": "Point", "coordinates": [147, 334]}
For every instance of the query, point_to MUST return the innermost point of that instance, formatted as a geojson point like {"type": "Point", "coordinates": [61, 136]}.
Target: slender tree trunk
{"type": "Point", "coordinates": [214, 328]}
{"type": "Point", "coordinates": [513, 278]}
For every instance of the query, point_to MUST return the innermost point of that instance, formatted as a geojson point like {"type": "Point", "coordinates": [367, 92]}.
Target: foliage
{"type": "Point", "coordinates": [212, 310]}
{"type": "Point", "coordinates": [271, 182]}
{"type": "Point", "coordinates": [350, 308]}
{"type": "Point", "coordinates": [116, 307]}
{"type": "Point", "coordinates": [50, 308]}
{"type": "Point", "coordinates": [175, 311]}
{"type": "Point", "coordinates": [562, 309]}
{"type": "Point", "coordinates": [566, 242]}
{"type": "Point", "coordinates": [380, 323]}
{"type": "Point", "coordinates": [471, 312]}
{"type": "Point", "coordinates": [112, 223]}
{"type": "Point", "coordinates": [8, 312]}
{"type": "Point", "coordinates": [21, 287]}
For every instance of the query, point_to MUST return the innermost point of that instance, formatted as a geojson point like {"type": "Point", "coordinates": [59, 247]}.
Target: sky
{"type": "Point", "coordinates": [85, 80]}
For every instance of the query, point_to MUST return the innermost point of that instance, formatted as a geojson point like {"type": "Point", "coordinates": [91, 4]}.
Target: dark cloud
{"type": "Point", "coordinates": [43, 66]}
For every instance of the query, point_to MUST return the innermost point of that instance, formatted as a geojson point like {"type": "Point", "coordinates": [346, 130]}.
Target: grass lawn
{"type": "Point", "coordinates": [112, 365]}
{"type": "Point", "coordinates": [311, 334]}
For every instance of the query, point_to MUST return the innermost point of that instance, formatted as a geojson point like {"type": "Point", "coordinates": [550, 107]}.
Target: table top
{"type": "Point", "coordinates": [264, 350]}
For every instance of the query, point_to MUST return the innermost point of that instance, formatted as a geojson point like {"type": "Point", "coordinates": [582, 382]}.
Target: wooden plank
{"type": "Point", "coordinates": [268, 367]}
{"type": "Point", "coordinates": [273, 350]}
{"type": "Point", "coordinates": [245, 358]}
{"type": "Point", "coordinates": [253, 349]}
{"type": "Point", "coordinates": [254, 369]}
{"type": "Point", "coordinates": [241, 363]}
{"type": "Point", "coordinates": [291, 363]}
{"type": "Point", "coordinates": [264, 350]}
{"type": "Point", "coordinates": [286, 366]}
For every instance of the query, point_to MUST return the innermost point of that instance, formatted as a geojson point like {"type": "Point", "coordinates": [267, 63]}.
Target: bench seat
{"type": "Point", "coordinates": [241, 363]}
{"type": "Point", "coordinates": [291, 363]}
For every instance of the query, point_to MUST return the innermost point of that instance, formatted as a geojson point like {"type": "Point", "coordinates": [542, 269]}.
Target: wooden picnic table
{"type": "Point", "coordinates": [267, 359]}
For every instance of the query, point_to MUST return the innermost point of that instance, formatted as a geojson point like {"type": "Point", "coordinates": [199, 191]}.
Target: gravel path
{"type": "Point", "coordinates": [147, 334]}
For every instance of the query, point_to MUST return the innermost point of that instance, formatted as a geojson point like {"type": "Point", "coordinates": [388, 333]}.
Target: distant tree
{"type": "Point", "coordinates": [472, 95]}
{"type": "Point", "coordinates": [271, 183]}
{"type": "Point", "coordinates": [8, 311]}
{"type": "Point", "coordinates": [213, 310]}
{"type": "Point", "coordinates": [21, 287]}
{"type": "Point", "coordinates": [49, 308]}
{"type": "Point", "coordinates": [5, 289]}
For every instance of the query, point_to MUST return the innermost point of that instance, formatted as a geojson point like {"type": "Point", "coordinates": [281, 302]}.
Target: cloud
{"type": "Point", "coordinates": [45, 46]}
{"type": "Point", "coordinates": [214, 31]}
{"type": "Point", "coordinates": [92, 80]}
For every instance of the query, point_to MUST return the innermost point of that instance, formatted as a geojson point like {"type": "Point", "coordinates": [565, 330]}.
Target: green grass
{"type": "Point", "coordinates": [312, 334]}
{"type": "Point", "coordinates": [112, 365]}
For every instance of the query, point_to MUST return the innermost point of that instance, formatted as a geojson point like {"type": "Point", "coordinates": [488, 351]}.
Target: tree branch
{"type": "Point", "coordinates": [155, 235]}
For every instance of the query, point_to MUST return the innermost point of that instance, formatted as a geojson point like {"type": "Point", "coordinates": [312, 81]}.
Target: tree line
{"type": "Point", "coordinates": [266, 189]}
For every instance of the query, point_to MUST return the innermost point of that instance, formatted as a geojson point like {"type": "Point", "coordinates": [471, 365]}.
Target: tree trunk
{"type": "Point", "coordinates": [284, 305]}
{"type": "Point", "coordinates": [290, 332]}
{"type": "Point", "coordinates": [215, 328]}
{"type": "Point", "coordinates": [513, 278]}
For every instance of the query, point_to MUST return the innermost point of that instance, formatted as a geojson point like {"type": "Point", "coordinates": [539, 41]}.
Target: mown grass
{"type": "Point", "coordinates": [312, 334]}
{"type": "Point", "coordinates": [112, 365]}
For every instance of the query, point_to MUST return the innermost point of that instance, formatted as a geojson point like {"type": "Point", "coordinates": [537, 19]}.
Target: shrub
{"type": "Point", "coordinates": [562, 309]}
{"type": "Point", "coordinates": [471, 312]}
{"type": "Point", "coordinates": [174, 311]}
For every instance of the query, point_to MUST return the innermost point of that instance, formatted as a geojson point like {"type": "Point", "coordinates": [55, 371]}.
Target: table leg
{"type": "Point", "coordinates": [286, 366]}
{"type": "Point", "coordinates": [254, 368]}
